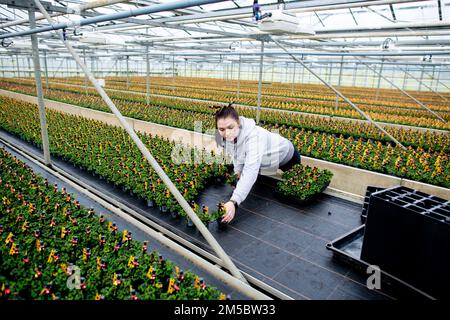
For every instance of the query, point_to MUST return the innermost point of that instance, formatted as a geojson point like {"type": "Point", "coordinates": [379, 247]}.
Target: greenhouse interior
{"type": "Point", "coordinates": [224, 150]}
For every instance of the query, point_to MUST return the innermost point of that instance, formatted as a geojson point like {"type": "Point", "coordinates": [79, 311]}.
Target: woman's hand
{"type": "Point", "coordinates": [230, 211]}
{"type": "Point", "coordinates": [238, 175]}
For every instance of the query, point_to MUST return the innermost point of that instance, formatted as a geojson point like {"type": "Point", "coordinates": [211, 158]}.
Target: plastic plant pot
{"type": "Point", "coordinates": [174, 214]}
{"type": "Point", "coordinates": [189, 222]}
{"type": "Point", "coordinates": [163, 208]}
{"type": "Point", "coordinates": [221, 225]}
{"type": "Point", "coordinates": [150, 203]}
{"type": "Point", "coordinates": [297, 201]}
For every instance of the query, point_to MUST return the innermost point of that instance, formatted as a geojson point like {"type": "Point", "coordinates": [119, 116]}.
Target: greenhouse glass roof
{"type": "Point", "coordinates": [402, 29]}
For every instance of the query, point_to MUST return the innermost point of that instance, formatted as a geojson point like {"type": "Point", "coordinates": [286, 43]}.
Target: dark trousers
{"type": "Point", "coordinates": [294, 160]}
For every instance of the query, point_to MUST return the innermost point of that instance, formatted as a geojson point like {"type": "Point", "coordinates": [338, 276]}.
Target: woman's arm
{"type": "Point", "coordinates": [251, 167]}
{"type": "Point", "coordinates": [248, 177]}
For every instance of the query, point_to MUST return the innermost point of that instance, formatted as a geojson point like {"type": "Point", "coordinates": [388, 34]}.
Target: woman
{"type": "Point", "coordinates": [252, 148]}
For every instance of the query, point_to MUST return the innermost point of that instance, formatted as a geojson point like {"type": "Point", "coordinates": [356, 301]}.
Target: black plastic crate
{"type": "Point", "coordinates": [347, 249]}
{"type": "Point", "coordinates": [407, 235]}
{"type": "Point", "coordinates": [369, 191]}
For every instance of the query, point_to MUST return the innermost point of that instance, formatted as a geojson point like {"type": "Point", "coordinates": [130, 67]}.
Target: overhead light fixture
{"type": "Point", "coordinates": [427, 58]}
{"type": "Point", "coordinates": [99, 40]}
{"type": "Point", "coordinates": [282, 22]}
{"type": "Point", "coordinates": [389, 45]}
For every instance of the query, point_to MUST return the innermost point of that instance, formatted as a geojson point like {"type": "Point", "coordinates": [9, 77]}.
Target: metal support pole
{"type": "Point", "coordinates": [339, 81]}
{"type": "Point", "coordinates": [128, 71]}
{"type": "Point", "coordinates": [46, 69]}
{"type": "Point", "coordinates": [367, 74]}
{"type": "Point", "coordinates": [303, 75]}
{"type": "Point", "coordinates": [339, 93]}
{"type": "Point", "coordinates": [286, 73]}
{"type": "Point", "coordinates": [67, 68]}
{"type": "Point", "coordinates": [40, 96]}
{"type": "Point", "coordinates": [2, 68]}
{"type": "Point", "coordinates": [354, 75]}
{"type": "Point", "coordinates": [293, 80]}
{"type": "Point", "coordinates": [224, 77]}
{"type": "Point", "coordinates": [258, 112]}
{"type": "Point", "coordinates": [166, 180]}
{"type": "Point", "coordinates": [17, 65]}
{"type": "Point", "coordinates": [185, 62]}
{"type": "Point", "coordinates": [437, 79]}
{"type": "Point", "coordinates": [421, 78]}
{"type": "Point", "coordinates": [329, 72]}
{"type": "Point", "coordinates": [85, 77]}
{"type": "Point", "coordinates": [405, 93]}
{"type": "Point", "coordinates": [232, 72]}
{"type": "Point", "coordinates": [405, 78]}
{"type": "Point", "coordinates": [432, 76]}
{"type": "Point", "coordinates": [92, 66]}
{"type": "Point", "coordinates": [239, 77]}
{"type": "Point", "coordinates": [147, 78]}
{"type": "Point", "coordinates": [173, 73]}
{"type": "Point", "coordinates": [29, 67]}
{"type": "Point", "coordinates": [379, 80]}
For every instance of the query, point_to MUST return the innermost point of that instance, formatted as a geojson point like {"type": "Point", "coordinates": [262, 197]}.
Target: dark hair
{"type": "Point", "coordinates": [224, 112]}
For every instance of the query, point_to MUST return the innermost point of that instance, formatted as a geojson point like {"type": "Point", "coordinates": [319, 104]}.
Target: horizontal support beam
{"type": "Point", "coordinates": [114, 16]}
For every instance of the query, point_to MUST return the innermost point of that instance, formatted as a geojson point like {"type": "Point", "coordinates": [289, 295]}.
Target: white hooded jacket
{"type": "Point", "coordinates": [254, 148]}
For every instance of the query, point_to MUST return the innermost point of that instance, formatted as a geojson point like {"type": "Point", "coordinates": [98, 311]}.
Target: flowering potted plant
{"type": "Point", "coordinates": [302, 184]}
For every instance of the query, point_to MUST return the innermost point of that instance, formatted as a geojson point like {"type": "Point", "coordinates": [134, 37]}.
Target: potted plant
{"type": "Point", "coordinates": [218, 216]}
{"type": "Point", "coordinates": [301, 184]}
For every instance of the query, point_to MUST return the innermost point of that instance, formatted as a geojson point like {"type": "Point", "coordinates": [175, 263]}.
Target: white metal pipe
{"type": "Point", "coordinates": [46, 69]}
{"type": "Point", "coordinates": [368, 34]}
{"type": "Point", "coordinates": [147, 78]}
{"type": "Point", "coordinates": [398, 25]}
{"type": "Point", "coordinates": [239, 76]}
{"type": "Point", "coordinates": [40, 96]}
{"type": "Point", "coordinates": [77, 10]}
{"type": "Point", "coordinates": [166, 180]}
{"type": "Point", "coordinates": [128, 71]}
{"type": "Point", "coordinates": [339, 81]}
{"type": "Point", "coordinates": [258, 111]}
{"type": "Point", "coordinates": [17, 65]}
{"type": "Point", "coordinates": [379, 80]}
{"type": "Point", "coordinates": [421, 78]}
{"type": "Point", "coordinates": [113, 16]}
{"type": "Point", "coordinates": [294, 7]}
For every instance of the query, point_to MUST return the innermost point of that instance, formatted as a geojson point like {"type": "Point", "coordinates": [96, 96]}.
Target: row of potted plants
{"type": "Point", "coordinates": [108, 152]}
{"type": "Point", "coordinates": [418, 117]}
{"type": "Point", "coordinates": [414, 164]}
{"type": "Point", "coordinates": [306, 91]}
{"type": "Point", "coordinates": [130, 106]}
{"type": "Point", "coordinates": [431, 167]}
{"type": "Point", "coordinates": [273, 100]}
{"type": "Point", "coordinates": [53, 248]}
{"type": "Point", "coordinates": [304, 104]}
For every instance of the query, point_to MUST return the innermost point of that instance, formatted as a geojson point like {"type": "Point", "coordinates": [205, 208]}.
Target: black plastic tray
{"type": "Point", "coordinates": [295, 201]}
{"type": "Point", "coordinates": [347, 249]}
{"type": "Point", "coordinates": [369, 191]}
